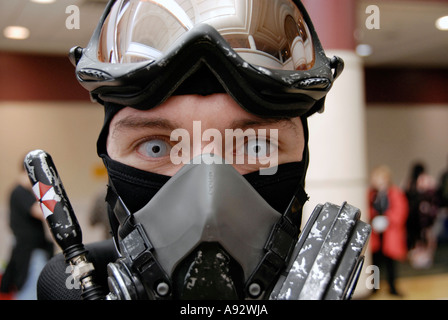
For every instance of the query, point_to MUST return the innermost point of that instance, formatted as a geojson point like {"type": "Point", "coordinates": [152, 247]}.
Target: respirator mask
{"type": "Point", "coordinates": [206, 234]}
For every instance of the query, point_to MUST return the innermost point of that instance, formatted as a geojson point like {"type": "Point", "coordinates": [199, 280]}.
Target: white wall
{"type": "Point", "coordinates": [337, 143]}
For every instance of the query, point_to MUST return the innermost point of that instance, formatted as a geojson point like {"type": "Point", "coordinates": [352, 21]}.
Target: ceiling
{"type": "Point", "coordinates": [47, 24]}
{"type": "Point", "coordinates": [407, 34]}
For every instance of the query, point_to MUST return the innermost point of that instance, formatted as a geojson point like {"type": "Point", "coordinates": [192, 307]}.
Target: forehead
{"type": "Point", "coordinates": [218, 111]}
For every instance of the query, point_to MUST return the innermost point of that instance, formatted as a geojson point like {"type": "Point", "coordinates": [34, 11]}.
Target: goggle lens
{"type": "Point", "coordinates": [267, 33]}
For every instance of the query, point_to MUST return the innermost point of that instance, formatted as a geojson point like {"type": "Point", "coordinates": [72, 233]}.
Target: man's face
{"type": "Point", "coordinates": [162, 139]}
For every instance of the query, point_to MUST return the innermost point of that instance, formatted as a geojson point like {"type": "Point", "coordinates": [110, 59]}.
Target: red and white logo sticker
{"type": "Point", "coordinates": [46, 196]}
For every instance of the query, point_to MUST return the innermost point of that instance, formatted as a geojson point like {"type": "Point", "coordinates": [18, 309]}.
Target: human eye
{"type": "Point", "coordinates": [154, 148]}
{"type": "Point", "coordinates": [257, 148]}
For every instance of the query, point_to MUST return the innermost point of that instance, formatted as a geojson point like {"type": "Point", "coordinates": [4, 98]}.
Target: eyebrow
{"type": "Point", "coordinates": [249, 123]}
{"type": "Point", "coordinates": [133, 122]}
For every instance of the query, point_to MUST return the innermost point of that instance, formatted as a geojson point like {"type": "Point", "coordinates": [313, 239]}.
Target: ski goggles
{"type": "Point", "coordinates": [264, 53]}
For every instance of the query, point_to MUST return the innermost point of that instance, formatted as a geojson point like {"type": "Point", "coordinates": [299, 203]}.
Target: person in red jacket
{"type": "Point", "coordinates": [388, 208]}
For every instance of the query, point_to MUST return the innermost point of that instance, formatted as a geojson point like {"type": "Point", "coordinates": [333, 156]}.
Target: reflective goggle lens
{"type": "Point", "coordinates": [267, 33]}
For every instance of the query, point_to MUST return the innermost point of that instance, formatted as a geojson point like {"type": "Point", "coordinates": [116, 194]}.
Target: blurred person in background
{"type": "Point", "coordinates": [388, 209]}
{"type": "Point", "coordinates": [32, 249]}
{"type": "Point", "coordinates": [423, 209]}
{"type": "Point", "coordinates": [442, 195]}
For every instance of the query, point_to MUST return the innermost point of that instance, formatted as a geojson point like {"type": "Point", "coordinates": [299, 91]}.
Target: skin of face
{"type": "Point", "coordinates": [143, 138]}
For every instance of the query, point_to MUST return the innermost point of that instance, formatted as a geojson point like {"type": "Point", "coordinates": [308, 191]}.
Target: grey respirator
{"type": "Point", "coordinates": [207, 234]}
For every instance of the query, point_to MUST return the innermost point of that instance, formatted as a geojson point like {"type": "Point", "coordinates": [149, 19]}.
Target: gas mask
{"type": "Point", "coordinates": [206, 234]}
